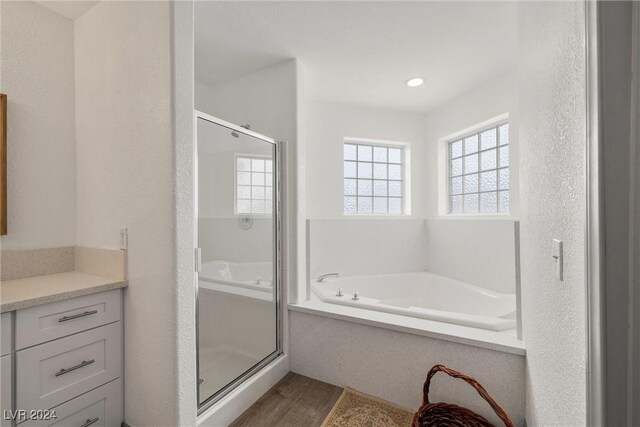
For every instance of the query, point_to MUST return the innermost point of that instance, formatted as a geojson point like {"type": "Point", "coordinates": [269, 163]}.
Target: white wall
{"type": "Point", "coordinates": [125, 179]}
{"type": "Point", "coordinates": [551, 84]}
{"type": "Point", "coordinates": [368, 246]}
{"type": "Point", "coordinates": [37, 75]}
{"type": "Point", "coordinates": [326, 126]}
{"type": "Point", "coordinates": [184, 208]}
{"type": "Point", "coordinates": [341, 353]}
{"type": "Point", "coordinates": [479, 252]}
{"type": "Point", "coordinates": [487, 101]}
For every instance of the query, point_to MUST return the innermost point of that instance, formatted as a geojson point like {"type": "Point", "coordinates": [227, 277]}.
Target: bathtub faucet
{"type": "Point", "coordinates": [326, 276]}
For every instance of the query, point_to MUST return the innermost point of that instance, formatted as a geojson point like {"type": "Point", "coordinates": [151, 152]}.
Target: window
{"type": "Point", "coordinates": [479, 172]}
{"type": "Point", "coordinates": [254, 185]}
{"type": "Point", "coordinates": [373, 178]}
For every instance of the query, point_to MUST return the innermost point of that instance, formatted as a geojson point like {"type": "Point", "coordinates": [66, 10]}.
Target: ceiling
{"type": "Point", "coordinates": [361, 52]}
{"type": "Point", "coordinates": [71, 9]}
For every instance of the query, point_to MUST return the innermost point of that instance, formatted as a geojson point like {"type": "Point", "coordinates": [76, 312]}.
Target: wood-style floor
{"type": "Point", "coordinates": [296, 401]}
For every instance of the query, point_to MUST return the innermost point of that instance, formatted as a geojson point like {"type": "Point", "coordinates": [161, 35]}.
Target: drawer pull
{"type": "Point", "coordinates": [76, 316]}
{"type": "Point", "coordinates": [90, 421]}
{"type": "Point", "coordinates": [73, 368]}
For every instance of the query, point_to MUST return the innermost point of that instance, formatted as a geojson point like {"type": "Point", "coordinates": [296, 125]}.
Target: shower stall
{"type": "Point", "coordinates": [238, 208]}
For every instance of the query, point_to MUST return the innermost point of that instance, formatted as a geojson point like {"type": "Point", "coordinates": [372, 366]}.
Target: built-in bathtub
{"type": "Point", "coordinates": [423, 295]}
{"type": "Point", "coordinates": [249, 275]}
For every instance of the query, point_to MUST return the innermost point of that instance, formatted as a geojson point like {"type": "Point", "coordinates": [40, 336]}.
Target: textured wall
{"type": "Point", "coordinates": [125, 179]}
{"type": "Point", "coordinates": [36, 73]}
{"type": "Point", "coordinates": [326, 127]}
{"type": "Point", "coordinates": [552, 146]}
{"type": "Point", "coordinates": [393, 365]}
{"type": "Point", "coordinates": [183, 102]}
{"type": "Point", "coordinates": [497, 96]}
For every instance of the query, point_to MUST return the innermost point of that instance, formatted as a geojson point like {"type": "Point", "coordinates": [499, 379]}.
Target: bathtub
{"type": "Point", "coordinates": [249, 275]}
{"type": "Point", "coordinates": [423, 295]}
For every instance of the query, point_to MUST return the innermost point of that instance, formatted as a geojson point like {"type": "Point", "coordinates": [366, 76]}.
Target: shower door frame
{"type": "Point", "coordinates": [278, 211]}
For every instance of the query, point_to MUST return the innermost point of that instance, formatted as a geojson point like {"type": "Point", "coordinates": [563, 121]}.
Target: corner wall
{"type": "Point", "coordinates": [551, 84]}
{"type": "Point", "coordinates": [37, 75]}
{"type": "Point", "coordinates": [125, 179]}
{"type": "Point", "coordinates": [327, 125]}
{"type": "Point", "coordinates": [493, 98]}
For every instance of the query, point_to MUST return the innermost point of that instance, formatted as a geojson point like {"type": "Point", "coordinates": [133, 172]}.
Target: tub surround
{"type": "Point", "coordinates": [392, 365]}
{"type": "Point", "coordinates": [352, 246]}
{"type": "Point", "coordinates": [457, 248]}
{"type": "Point", "coordinates": [41, 276]}
{"type": "Point", "coordinates": [500, 341]}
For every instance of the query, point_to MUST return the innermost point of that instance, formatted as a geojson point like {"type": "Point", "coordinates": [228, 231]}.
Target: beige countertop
{"type": "Point", "coordinates": [31, 291]}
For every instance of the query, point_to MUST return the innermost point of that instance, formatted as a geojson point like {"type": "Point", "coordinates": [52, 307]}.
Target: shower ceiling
{"type": "Point", "coordinates": [361, 52]}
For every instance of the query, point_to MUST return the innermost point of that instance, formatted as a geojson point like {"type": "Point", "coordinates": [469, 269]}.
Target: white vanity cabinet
{"type": "Point", "coordinates": [6, 371]}
{"type": "Point", "coordinates": [67, 362]}
{"type": "Point", "coordinates": [6, 387]}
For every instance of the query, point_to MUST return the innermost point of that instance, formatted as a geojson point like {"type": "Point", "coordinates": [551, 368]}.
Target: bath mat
{"type": "Point", "coordinates": [355, 409]}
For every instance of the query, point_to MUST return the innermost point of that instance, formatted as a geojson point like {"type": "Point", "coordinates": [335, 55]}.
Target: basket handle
{"type": "Point", "coordinates": [501, 413]}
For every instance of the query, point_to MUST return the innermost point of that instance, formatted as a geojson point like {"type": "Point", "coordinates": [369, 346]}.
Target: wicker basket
{"type": "Point", "coordinates": [446, 414]}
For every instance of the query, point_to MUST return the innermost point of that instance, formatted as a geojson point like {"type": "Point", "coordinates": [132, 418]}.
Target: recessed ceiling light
{"type": "Point", "coordinates": [415, 81]}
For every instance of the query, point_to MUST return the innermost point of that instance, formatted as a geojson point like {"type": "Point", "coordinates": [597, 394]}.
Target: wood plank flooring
{"type": "Point", "coordinates": [296, 401]}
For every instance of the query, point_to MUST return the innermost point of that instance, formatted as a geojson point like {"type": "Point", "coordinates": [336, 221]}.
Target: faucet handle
{"type": "Point", "coordinates": [356, 296]}
{"type": "Point", "coordinates": [339, 293]}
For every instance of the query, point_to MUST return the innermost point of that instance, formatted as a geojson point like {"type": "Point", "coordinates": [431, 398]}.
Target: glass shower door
{"type": "Point", "coordinates": [238, 309]}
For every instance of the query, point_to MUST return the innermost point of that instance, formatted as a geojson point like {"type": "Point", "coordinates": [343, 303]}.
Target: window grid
{"type": "Point", "coordinates": [254, 185]}
{"type": "Point", "coordinates": [479, 172]}
{"type": "Point", "coordinates": [373, 179]}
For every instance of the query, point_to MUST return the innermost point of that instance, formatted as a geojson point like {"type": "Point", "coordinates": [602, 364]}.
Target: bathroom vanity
{"type": "Point", "coordinates": [62, 350]}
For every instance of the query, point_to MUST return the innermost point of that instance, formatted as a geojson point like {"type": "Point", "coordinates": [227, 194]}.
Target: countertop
{"type": "Point", "coordinates": [37, 290]}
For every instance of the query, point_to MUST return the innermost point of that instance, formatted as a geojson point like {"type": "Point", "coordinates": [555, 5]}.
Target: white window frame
{"type": "Point", "coordinates": [406, 175]}
{"type": "Point", "coordinates": [444, 168]}
{"type": "Point", "coordinates": [235, 183]}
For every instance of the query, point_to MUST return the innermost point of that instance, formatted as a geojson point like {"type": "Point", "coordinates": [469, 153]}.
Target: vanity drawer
{"type": "Point", "coordinates": [6, 400]}
{"type": "Point", "coordinates": [47, 322]}
{"type": "Point", "coordinates": [6, 329]}
{"type": "Point", "coordinates": [101, 407]}
{"type": "Point", "coordinates": [52, 373]}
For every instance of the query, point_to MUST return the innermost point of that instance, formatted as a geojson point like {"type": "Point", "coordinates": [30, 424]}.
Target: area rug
{"type": "Point", "coordinates": [355, 409]}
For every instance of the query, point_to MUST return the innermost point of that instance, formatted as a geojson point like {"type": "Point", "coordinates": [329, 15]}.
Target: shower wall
{"type": "Point", "coordinates": [217, 218]}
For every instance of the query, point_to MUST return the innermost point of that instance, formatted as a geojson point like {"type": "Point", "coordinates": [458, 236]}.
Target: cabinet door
{"type": "Point", "coordinates": [52, 373]}
{"type": "Point", "coordinates": [101, 407]}
{"type": "Point", "coordinates": [48, 322]}
{"type": "Point", "coordinates": [6, 329]}
{"type": "Point", "coordinates": [6, 378]}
